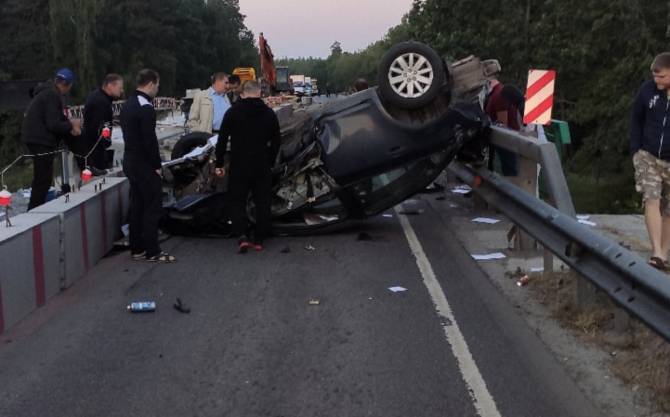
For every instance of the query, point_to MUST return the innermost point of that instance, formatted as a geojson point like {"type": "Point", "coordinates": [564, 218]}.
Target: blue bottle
{"type": "Point", "coordinates": [142, 307]}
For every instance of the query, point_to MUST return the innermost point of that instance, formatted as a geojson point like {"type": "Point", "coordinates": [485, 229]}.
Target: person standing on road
{"type": "Point", "coordinates": [44, 126]}
{"type": "Point", "coordinates": [505, 112]}
{"type": "Point", "coordinates": [209, 106]}
{"type": "Point", "coordinates": [142, 165]}
{"type": "Point", "coordinates": [650, 147]}
{"type": "Point", "coordinates": [98, 114]}
{"type": "Point", "coordinates": [253, 130]}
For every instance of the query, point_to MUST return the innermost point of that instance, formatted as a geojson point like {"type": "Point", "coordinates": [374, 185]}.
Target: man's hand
{"type": "Point", "coordinates": [220, 172]}
{"type": "Point", "coordinates": [76, 127]}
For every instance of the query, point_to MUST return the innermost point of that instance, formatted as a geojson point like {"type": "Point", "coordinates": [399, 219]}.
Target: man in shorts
{"type": "Point", "coordinates": [650, 147]}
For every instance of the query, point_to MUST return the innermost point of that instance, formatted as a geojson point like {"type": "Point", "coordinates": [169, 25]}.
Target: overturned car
{"type": "Point", "coordinates": [349, 158]}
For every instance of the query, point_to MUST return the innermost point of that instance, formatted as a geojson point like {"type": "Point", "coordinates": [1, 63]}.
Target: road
{"type": "Point", "coordinates": [253, 345]}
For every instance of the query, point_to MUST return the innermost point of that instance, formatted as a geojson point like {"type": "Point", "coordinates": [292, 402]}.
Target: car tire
{"type": "Point", "coordinates": [188, 142]}
{"type": "Point", "coordinates": [411, 75]}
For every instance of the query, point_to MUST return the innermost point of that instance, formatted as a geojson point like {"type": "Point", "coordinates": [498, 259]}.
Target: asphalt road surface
{"type": "Point", "coordinates": [253, 345]}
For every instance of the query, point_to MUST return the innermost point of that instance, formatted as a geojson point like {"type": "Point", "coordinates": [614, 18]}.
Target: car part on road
{"type": "Point", "coordinates": [180, 306]}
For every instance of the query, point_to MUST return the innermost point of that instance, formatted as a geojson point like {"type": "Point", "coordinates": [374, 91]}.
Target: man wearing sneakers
{"type": "Point", "coordinates": [142, 165]}
{"type": "Point", "coordinates": [253, 130]}
{"type": "Point", "coordinates": [650, 147]}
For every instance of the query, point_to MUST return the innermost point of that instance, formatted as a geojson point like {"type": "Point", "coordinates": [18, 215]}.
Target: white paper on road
{"type": "Point", "coordinates": [488, 256]}
{"type": "Point", "coordinates": [587, 222]}
{"type": "Point", "coordinates": [486, 220]}
{"type": "Point", "coordinates": [461, 189]}
{"type": "Point", "coordinates": [397, 289]}
{"type": "Point", "coordinates": [388, 216]}
{"type": "Point", "coordinates": [583, 217]}
{"type": "Point", "coordinates": [540, 269]}
{"type": "Point", "coordinates": [453, 205]}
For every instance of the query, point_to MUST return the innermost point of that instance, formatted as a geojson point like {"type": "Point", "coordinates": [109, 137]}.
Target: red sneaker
{"type": "Point", "coordinates": [244, 246]}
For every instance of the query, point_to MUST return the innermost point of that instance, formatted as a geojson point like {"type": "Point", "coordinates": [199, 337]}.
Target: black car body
{"type": "Point", "coordinates": [350, 158]}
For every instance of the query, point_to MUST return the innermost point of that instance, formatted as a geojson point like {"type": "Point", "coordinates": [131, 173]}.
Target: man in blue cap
{"type": "Point", "coordinates": [45, 125]}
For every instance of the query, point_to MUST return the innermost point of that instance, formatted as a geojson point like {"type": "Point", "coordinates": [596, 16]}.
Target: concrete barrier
{"type": "Point", "coordinates": [54, 245]}
{"type": "Point", "coordinates": [29, 265]}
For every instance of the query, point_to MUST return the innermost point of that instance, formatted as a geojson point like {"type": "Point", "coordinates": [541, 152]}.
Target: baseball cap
{"type": "Point", "coordinates": [66, 75]}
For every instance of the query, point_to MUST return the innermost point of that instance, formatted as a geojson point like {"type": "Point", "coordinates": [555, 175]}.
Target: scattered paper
{"type": "Point", "coordinates": [540, 269]}
{"type": "Point", "coordinates": [583, 217]}
{"type": "Point", "coordinates": [461, 189]}
{"type": "Point", "coordinates": [388, 216]}
{"type": "Point", "coordinates": [488, 256]}
{"type": "Point", "coordinates": [310, 248]}
{"type": "Point", "coordinates": [587, 222]}
{"type": "Point", "coordinates": [485, 220]}
{"type": "Point", "coordinates": [397, 289]}
{"type": "Point", "coordinates": [453, 205]}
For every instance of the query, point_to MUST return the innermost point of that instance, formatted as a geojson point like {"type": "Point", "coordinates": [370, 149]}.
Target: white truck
{"type": "Point", "coordinates": [298, 82]}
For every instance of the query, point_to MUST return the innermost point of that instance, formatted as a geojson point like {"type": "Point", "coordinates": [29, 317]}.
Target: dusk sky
{"type": "Point", "coordinates": [300, 28]}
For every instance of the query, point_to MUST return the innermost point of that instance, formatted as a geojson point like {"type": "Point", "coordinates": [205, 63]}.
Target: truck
{"type": "Point", "coordinates": [298, 81]}
{"type": "Point", "coordinates": [283, 80]}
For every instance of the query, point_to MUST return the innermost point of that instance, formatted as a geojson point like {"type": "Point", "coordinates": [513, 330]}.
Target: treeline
{"type": "Point", "coordinates": [184, 40]}
{"type": "Point", "coordinates": [601, 50]}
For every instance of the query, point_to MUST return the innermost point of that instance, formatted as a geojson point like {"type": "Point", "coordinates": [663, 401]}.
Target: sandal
{"type": "Point", "coordinates": [658, 263]}
{"type": "Point", "coordinates": [162, 257]}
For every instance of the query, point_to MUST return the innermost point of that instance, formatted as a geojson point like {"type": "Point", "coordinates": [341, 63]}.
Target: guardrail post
{"type": "Point", "coordinates": [527, 181]}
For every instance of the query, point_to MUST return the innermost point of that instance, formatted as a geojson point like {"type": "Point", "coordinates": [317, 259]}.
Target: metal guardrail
{"type": "Point", "coordinates": [623, 275]}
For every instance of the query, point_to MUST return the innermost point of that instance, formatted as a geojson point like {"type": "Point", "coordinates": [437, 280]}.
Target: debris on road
{"type": "Point", "coordinates": [523, 281]}
{"type": "Point", "coordinates": [314, 302]}
{"type": "Point", "coordinates": [441, 198]}
{"type": "Point", "coordinates": [286, 250]}
{"type": "Point", "coordinates": [397, 289]}
{"type": "Point", "coordinates": [310, 248]}
{"type": "Point", "coordinates": [388, 216]}
{"type": "Point", "coordinates": [587, 222]}
{"type": "Point", "coordinates": [488, 256]}
{"type": "Point", "coordinates": [363, 236]}
{"type": "Point", "coordinates": [485, 220]}
{"type": "Point", "coordinates": [461, 189]}
{"type": "Point", "coordinates": [142, 307]}
{"type": "Point", "coordinates": [433, 188]}
{"type": "Point", "coordinates": [538, 269]}
{"type": "Point", "coordinates": [181, 307]}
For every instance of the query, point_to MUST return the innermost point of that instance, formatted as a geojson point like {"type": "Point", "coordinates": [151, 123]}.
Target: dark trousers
{"type": "Point", "coordinates": [43, 174]}
{"type": "Point", "coordinates": [146, 207]}
{"type": "Point", "coordinates": [259, 183]}
{"type": "Point", "coordinates": [508, 161]}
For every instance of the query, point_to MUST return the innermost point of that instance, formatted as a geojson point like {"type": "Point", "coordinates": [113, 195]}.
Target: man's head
{"type": "Point", "coordinates": [361, 84]}
{"type": "Point", "coordinates": [148, 82]}
{"type": "Point", "coordinates": [112, 85]}
{"type": "Point", "coordinates": [220, 82]}
{"type": "Point", "coordinates": [660, 68]}
{"type": "Point", "coordinates": [251, 89]}
{"type": "Point", "coordinates": [235, 84]}
{"type": "Point", "coordinates": [63, 80]}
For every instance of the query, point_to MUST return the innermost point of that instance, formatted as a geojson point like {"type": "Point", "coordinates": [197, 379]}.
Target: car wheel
{"type": "Point", "coordinates": [411, 74]}
{"type": "Point", "coordinates": [188, 142]}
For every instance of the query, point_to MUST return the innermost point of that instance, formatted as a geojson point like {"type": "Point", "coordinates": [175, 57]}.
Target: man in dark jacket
{"type": "Point", "coordinates": [142, 165]}
{"type": "Point", "coordinates": [254, 135]}
{"type": "Point", "coordinates": [650, 147]}
{"type": "Point", "coordinates": [98, 114]}
{"type": "Point", "coordinates": [45, 125]}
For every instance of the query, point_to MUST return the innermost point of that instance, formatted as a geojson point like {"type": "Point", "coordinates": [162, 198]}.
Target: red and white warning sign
{"type": "Point", "coordinates": [539, 97]}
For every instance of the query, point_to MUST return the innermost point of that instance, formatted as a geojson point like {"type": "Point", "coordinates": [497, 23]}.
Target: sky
{"type": "Point", "coordinates": [302, 28]}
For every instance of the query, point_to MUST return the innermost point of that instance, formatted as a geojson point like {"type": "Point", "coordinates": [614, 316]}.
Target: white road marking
{"type": "Point", "coordinates": [482, 399]}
